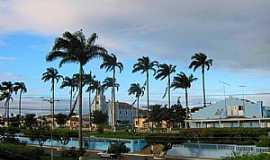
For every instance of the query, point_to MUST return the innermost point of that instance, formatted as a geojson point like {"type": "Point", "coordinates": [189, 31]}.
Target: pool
{"type": "Point", "coordinates": [100, 144]}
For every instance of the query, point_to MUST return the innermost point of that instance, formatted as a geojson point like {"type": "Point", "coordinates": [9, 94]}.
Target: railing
{"type": "Point", "coordinates": [234, 148]}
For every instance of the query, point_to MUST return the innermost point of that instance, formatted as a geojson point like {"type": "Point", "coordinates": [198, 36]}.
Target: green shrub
{"type": "Point", "coordinates": [13, 151]}
{"type": "Point", "coordinates": [262, 156]}
{"type": "Point", "coordinates": [210, 135]}
{"type": "Point", "coordinates": [118, 148]}
{"type": "Point", "coordinates": [264, 141]}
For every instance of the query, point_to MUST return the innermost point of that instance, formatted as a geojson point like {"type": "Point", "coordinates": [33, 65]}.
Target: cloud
{"type": "Point", "coordinates": [10, 77]}
{"type": "Point", "coordinates": [234, 33]}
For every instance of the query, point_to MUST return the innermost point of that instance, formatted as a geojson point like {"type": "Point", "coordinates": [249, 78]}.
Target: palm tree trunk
{"type": "Point", "coordinates": [52, 103]}
{"type": "Point", "coordinates": [89, 96]}
{"type": "Point", "coordinates": [20, 104]}
{"type": "Point", "coordinates": [138, 106]}
{"type": "Point", "coordinates": [113, 102]}
{"type": "Point", "coordinates": [147, 88]}
{"type": "Point", "coordinates": [70, 99]}
{"type": "Point", "coordinates": [80, 110]}
{"type": "Point", "coordinates": [186, 96]}
{"type": "Point", "coordinates": [169, 91]}
{"type": "Point", "coordinates": [187, 109]}
{"type": "Point", "coordinates": [8, 112]}
{"type": "Point", "coordinates": [203, 83]}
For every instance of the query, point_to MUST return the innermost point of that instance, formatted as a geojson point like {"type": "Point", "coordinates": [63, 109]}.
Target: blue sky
{"type": "Point", "coordinates": [235, 34]}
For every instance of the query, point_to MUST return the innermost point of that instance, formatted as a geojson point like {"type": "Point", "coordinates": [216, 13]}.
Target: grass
{"type": "Point", "coordinates": [262, 156]}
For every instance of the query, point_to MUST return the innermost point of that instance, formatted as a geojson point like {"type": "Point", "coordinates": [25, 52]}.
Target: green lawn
{"type": "Point", "coordinates": [262, 156]}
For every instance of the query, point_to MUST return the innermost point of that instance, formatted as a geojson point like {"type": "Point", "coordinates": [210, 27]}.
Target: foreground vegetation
{"type": "Point", "coordinates": [262, 156]}
{"type": "Point", "coordinates": [241, 136]}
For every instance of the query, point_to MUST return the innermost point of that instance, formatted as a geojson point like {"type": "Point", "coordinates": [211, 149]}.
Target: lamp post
{"type": "Point", "coordinates": [224, 93]}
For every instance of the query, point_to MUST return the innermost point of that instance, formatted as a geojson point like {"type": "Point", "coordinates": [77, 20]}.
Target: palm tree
{"type": "Point", "coordinates": [69, 82]}
{"type": "Point", "coordinates": [20, 86]}
{"type": "Point", "coordinates": [52, 75]}
{"type": "Point", "coordinates": [74, 48]}
{"type": "Point", "coordinates": [7, 88]}
{"type": "Point", "coordinates": [164, 71]}
{"type": "Point", "coordinates": [144, 65]}
{"type": "Point", "coordinates": [111, 64]}
{"type": "Point", "coordinates": [89, 80]}
{"type": "Point", "coordinates": [138, 91]}
{"type": "Point", "coordinates": [183, 81]}
{"type": "Point", "coordinates": [200, 60]}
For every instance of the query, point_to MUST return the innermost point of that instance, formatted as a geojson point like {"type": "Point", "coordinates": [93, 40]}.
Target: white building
{"type": "Point", "coordinates": [231, 112]}
{"type": "Point", "coordinates": [124, 112]}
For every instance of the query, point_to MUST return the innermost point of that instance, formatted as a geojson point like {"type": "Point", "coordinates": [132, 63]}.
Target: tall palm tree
{"type": "Point", "coordinates": [53, 76]}
{"type": "Point", "coordinates": [75, 48]}
{"type": "Point", "coordinates": [145, 65]}
{"type": "Point", "coordinates": [90, 80]}
{"type": "Point", "coordinates": [165, 71]}
{"type": "Point", "coordinates": [20, 87]}
{"type": "Point", "coordinates": [111, 64]}
{"type": "Point", "coordinates": [183, 81]}
{"type": "Point", "coordinates": [69, 82]}
{"type": "Point", "coordinates": [109, 82]}
{"type": "Point", "coordinates": [138, 91]}
{"type": "Point", "coordinates": [7, 89]}
{"type": "Point", "coordinates": [200, 60]}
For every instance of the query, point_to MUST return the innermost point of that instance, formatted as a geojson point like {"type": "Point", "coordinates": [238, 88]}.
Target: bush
{"type": "Point", "coordinates": [264, 141]}
{"type": "Point", "coordinates": [210, 135]}
{"type": "Point", "coordinates": [118, 148]}
{"type": "Point", "coordinates": [262, 156]}
{"type": "Point", "coordinates": [14, 152]}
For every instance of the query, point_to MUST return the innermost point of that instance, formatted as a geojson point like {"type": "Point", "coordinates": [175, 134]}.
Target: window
{"type": "Point", "coordinates": [240, 108]}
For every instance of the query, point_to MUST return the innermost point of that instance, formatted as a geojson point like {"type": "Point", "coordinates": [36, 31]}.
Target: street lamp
{"type": "Point", "coordinates": [224, 92]}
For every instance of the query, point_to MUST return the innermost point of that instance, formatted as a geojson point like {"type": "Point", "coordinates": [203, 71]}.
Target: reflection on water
{"type": "Point", "coordinates": [213, 150]}
{"type": "Point", "coordinates": [93, 143]}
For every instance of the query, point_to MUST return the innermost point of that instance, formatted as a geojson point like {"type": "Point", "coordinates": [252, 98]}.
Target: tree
{"type": "Point", "coordinates": [145, 65]}
{"type": "Point", "coordinates": [20, 87]}
{"type": "Point", "coordinates": [183, 81]}
{"type": "Point", "coordinates": [69, 82]}
{"type": "Point", "coordinates": [91, 82]}
{"type": "Point", "coordinates": [178, 115]}
{"type": "Point", "coordinates": [111, 64]}
{"type": "Point", "coordinates": [99, 118]}
{"type": "Point", "coordinates": [7, 89]}
{"type": "Point", "coordinates": [118, 148]}
{"type": "Point", "coordinates": [109, 82]}
{"type": "Point", "coordinates": [75, 48]}
{"type": "Point", "coordinates": [165, 71]}
{"type": "Point", "coordinates": [138, 91]}
{"type": "Point", "coordinates": [61, 119]}
{"type": "Point", "coordinates": [156, 115]}
{"type": "Point", "coordinates": [52, 75]}
{"type": "Point", "coordinates": [30, 121]}
{"type": "Point", "coordinates": [200, 60]}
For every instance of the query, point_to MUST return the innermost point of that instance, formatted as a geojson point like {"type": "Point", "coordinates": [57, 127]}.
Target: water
{"type": "Point", "coordinates": [100, 144]}
{"type": "Point", "coordinates": [213, 150]}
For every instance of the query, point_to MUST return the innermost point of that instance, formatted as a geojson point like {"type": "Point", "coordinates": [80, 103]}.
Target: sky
{"type": "Point", "coordinates": [235, 34]}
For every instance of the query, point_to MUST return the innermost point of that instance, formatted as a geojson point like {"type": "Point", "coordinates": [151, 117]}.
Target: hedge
{"type": "Point", "coordinates": [210, 135]}
{"type": "Point", "coordinates": [22, 152]}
